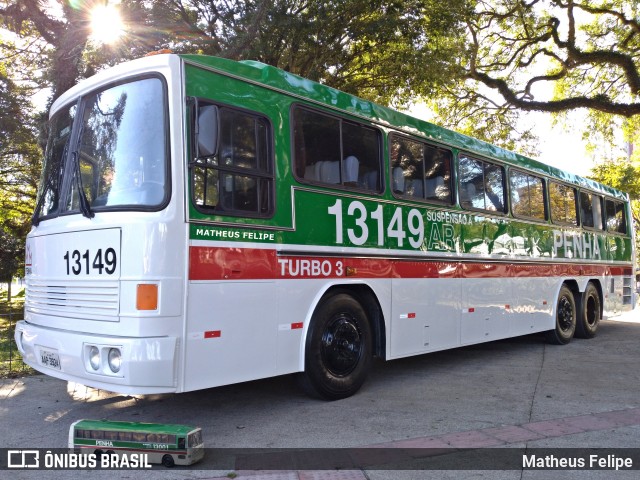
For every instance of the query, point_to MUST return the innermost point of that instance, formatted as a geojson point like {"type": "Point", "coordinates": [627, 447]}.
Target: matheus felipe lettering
{"type": "Point", "coordinates": [233, 234]}
{"type": "Point", "coordinates": [590, 462]}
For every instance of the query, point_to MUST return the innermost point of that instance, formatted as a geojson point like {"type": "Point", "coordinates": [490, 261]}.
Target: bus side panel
{"type": "Point", "coordinates": [533, 299]}
{"type": "Point", "coordinates": [425, 315]}
{"type": "Point", "coordinates": [486, 297]}
{"type": "Point", "coordinates": [231, 333]}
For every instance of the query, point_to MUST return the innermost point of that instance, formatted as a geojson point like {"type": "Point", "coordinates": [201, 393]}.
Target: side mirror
{"type": "Point", "coordinates": [207, 131]}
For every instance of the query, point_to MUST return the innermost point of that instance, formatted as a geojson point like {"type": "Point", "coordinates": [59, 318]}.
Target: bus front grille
{"type": "Point", "coordinates": [95, 300]}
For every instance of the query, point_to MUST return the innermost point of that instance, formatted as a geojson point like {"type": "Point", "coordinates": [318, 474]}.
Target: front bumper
{"type": "Point", "coordinates": [148, 365]}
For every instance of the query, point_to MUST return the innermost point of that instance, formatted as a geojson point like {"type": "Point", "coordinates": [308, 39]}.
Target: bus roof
{"type": "Point", "coordinates": [294, 85]}
{"type": "Point", "coordinates": [133, 427]}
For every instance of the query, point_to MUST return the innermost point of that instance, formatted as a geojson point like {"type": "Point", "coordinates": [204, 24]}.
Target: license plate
{"type": "Point", "coordinates": [50, 359]}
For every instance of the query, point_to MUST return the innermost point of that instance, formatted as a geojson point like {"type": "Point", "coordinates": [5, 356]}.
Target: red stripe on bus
{"type": "Point", "coordinates": [213, 263]}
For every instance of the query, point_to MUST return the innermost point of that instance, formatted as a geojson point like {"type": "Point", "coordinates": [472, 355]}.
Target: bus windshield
{"type": "Point", "coordinates": [116, 157]}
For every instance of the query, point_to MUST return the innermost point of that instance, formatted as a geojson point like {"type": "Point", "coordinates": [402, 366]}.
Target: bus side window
{"type": "Point", "coordinates": [334, 151]}
{"type": "Point", "coordinates": [139, 437]}
{"type": "Point", "coordinates": [419, 170]}
{"type": "Point", "coordinates": [124, 436]}
{"type": "Point", "coordinates": [615, 216]}
{"type": "Point", "coordinates": [481, 185]}
{"type": "Point", "coordinates": [563, 204]}
{"type": "Point", "coordinates": [527, 195]}
{"type": "Point", "coordinates": [232, 172]}
{"type": "Point", "coordinates": [591, 210]}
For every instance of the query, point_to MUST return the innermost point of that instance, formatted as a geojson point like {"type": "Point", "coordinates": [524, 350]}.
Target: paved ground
{"type": "Point", "coordinates": [518, 393]}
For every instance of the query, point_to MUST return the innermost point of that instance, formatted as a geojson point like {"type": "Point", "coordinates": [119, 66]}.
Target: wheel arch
{"type": "Point", "coordinates": [368, 298]}
{"type": "Point", "coordinates": [598, 284]}
{"type": "Point", "coordinates": [573, 286]}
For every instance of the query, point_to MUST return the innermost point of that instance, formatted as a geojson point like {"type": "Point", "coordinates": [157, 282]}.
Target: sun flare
{"type": "Point", "coordinates": [106, 24]}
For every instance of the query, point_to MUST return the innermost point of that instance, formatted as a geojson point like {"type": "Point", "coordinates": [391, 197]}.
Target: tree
{"type": "Point", "coordinates": [587, 51]}
{"type": "Point", "coordinates": [546, 55]}
{"type": "Point", "coordinates": [623, 175]}
{"type": "Point", "coordinates": [19, 158]}
{"type": "Point", "coordinates": [10, 256]}
{"type": "Point", "coordinates": [384, 50]}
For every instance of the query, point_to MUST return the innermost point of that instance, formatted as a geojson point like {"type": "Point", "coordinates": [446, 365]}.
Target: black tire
{"type": "Point", "coordinates": [338, 349]}
{"type": "Point", "coordinates": [565, 318]}
{"type": "Point", "coordinates": [167, 461]}
{"type": "Point", "coordinates": [589, 312]}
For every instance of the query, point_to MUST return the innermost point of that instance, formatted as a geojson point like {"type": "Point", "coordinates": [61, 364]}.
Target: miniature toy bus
{"type": "Point", "coordinates": [162, 443]}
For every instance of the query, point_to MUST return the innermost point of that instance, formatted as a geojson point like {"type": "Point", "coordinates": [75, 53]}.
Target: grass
{"type": "Point", "coordinates": [10, 312]}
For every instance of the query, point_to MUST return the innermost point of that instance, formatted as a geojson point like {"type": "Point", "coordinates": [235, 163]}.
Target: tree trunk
{"type": "Point", "coordinates": [9, 291]}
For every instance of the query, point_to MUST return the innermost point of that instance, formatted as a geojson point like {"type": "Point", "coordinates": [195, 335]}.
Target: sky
{"type": "Point", "coordinates": [560, 148]}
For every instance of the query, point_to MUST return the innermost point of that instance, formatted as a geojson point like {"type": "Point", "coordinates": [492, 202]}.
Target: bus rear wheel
{"type": "Point", "coordinates": [565, 318]}
{"type": "Point", "coordinates": [167, 461]}
{"type": "Point", "coordinates": [338, 350]}
{"type": "Point", "coordinates": [589, 313]}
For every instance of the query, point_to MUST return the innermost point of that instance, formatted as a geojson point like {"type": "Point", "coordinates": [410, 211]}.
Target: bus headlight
{"type": "Point", "coordinates": [114, 360]}
{"type": "Point", "coordinates": [94, 357]}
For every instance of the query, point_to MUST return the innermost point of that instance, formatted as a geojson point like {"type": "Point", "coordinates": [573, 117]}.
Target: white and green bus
{"type": "Point", "coordinates": [202, 222]}
{"type": "Point", "coordinates": [160, 443]}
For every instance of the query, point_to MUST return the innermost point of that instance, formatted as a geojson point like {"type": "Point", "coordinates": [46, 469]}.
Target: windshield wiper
{"type": "Point", "coordinates": [35, 219]}
{"type": "Point", "coordinates": [85, 207]}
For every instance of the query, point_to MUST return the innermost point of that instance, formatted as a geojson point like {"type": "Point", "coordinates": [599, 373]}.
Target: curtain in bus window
{"type": "Point", "coordinates": [562, 202]}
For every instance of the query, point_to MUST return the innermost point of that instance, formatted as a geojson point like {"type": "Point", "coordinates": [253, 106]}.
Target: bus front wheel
{"type": "Point", "coordinates": [338, 350]}
{"type": "Point", "coordinates": [589, 313]}
{"type": "Point", "coordinates": [167, 461]}
{"type": "Point", "coordinates": [565, 318]}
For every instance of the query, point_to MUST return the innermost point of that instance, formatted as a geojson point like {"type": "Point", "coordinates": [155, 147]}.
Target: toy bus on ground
{"type": "Point", "coordinates": [202, 222]}
{"type": "Point", "coordinates": [161, 443]}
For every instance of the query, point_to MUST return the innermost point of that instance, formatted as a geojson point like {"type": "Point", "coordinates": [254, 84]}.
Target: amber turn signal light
{"type": "Point", "coordinates": [147, 296]}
